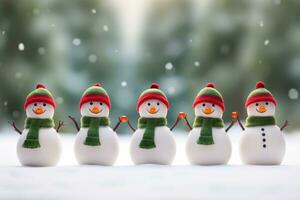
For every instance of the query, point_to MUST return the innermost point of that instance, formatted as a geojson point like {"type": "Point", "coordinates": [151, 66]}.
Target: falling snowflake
{"type": "Point", "coordinates": [261, 23]}
{"type": "Point", "coordinates": [293, 93]}
{"type": "Point", "coordinates": [94, 11]}
{"type": "Point", "coordinates": [36, 11]}
{"type": "Point", "coordinates": [41, 51]}
{"type": "Point", "coordinates": [116, 51]}
{"type": "Point", "coordinates": [171, 90]}
{"type": "Point", "coordinates": [266, 42]}
{"type": "Point", "coordinates": [18, 75]}
{"type": "Point", "coordinates": [105, 28]}
{"type": "Point", "coordinates": [123, 83]}
{"type": "Point", "coordinates": [5, 103]}
{"type": "Point", "coordinates": [92, 58]}
{"type": "Point", "coordinates": [190, 40]}
{"type": "Point", "coordinates": [21, 47]}
{"type": "Point", "coordinates": [197, 63]}
{"type": "Point", "coordinates": [3, 32]}
{"type": "Point", "coordinates": [52, 25]}
{"type": "Point", "coordinates": [169, 66]}
{"type": "Point", "coordinates": [76, 41]}
{"type": "Point", "coordinates": [15, 113]}
{"type": "Point", "coordinates": [60, 100]}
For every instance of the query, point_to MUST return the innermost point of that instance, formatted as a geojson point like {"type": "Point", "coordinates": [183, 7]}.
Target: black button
{"type": "Point", "coordinates": [262, 129]}
{"type": "Point", "coordinates": [263, 134]}
{"type": "Point", "coordinates": [264, 146]}
{"type": "Point", "coordinates": [264, 139]}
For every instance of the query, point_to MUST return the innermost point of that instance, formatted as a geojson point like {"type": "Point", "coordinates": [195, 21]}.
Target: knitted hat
{"type": "Point", "coordinates": [95, 93]}
{"type": "Point", "coordinates": [260, 94]}
{"type": "Point", "coordinates": [211, 95]}
{"type": "Point", "coordinates": [40, 94]}
{"type": "Point", "coordinates": [153, 92]}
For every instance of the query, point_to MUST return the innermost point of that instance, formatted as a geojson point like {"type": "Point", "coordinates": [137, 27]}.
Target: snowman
{"type": "Point", "coordinates": [39, 143]}
{"type": "Point", "coordinates": [153, 142]}
{"type": "Point", "coordinates": [96, 143]}
{"type": "Point", "coordinates": [262, 142]}
{"type": "Point", "coordinates": [207, 142]}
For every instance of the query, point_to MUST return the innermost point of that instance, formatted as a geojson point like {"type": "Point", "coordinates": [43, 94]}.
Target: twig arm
{"type": "Point", "coordinates": [230, 126]}
{"type": "Point", "coordinates": [175, 124]}
{"type": "Point", "coordinates": [60, 124]}
{"type": "Point", "coordinates": [13, 124]}
{"type": "Point", "coordinates": [188, 123]}
{"type": "Point", "coordinates": [130, 126]}
{"type": "Point", "coordinates": [75, 122]}
{"type": "Point", "coordinates": [286, 123]}
{"type": "Point", "coordinates": [240, 123]}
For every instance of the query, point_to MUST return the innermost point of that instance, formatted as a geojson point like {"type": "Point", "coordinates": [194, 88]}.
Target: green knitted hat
{"type": "Point", "coordinates": [95, 93]}
{"type": "Point", "coordinates": [40, 94]}
{"type": "Point", "coordinates": [153, 92]}
{"type": "Point", "coordinates": [211, 95]}
{"type": "Point", "coordinates": [260, 94]}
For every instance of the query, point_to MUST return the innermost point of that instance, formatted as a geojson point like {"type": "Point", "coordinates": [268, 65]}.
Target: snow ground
{"type": "Point", "coordinates": [126, 181]}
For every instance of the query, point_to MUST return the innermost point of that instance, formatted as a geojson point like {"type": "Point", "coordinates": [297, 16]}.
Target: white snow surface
{"type": "Point", "coordinates": [124, 181]}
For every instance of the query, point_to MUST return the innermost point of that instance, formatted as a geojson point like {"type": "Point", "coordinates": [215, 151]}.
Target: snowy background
{"type": "Point", "coordinates": [126, 181]}
{"type": "Point", "coordinates": [127, 44]}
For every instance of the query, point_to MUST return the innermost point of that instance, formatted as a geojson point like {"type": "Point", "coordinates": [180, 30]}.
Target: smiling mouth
{"type": "Point", "coordinates": [39, 111]}
{"type": "Point", "coordinates": [95, 111]}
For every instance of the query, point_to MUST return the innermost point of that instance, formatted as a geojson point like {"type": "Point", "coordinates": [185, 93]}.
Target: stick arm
{"type": "Point", "coordinates": [286, 123]}
{"type": "Point", "coordinates": [75, 122]}
{"type": "Point", "coordinates": [13, 124]}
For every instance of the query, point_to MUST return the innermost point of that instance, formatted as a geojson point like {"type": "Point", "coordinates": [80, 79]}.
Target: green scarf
{"type": "Point", "coordinates": [93, 123]}
{"type": "Point", "coordinates": [34, 125]}
{"type": "Point", "coordinates": [207, 123]}
{"type": "Point", "coordinates": [260, 121]}
{"type": "Point", "coordinates": [150, 124]}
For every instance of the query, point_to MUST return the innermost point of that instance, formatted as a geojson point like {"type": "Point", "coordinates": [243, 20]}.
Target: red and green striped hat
{"type": "Point", "coordinates": [211, 95]}
{"type": "Point", "coordinates": [40, 94]}
{"type": "Point", "coordinates": [153, 92]}
{"type": "Point", "coordinates": [260, 94]}
{"type": "Point", "coordinates": [95, 93]}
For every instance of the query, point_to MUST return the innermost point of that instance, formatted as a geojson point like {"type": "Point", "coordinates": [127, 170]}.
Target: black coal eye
{"type": "Point", "coordinates": [101, 103]}
{"type": "Point", "coordinates": [203, 104]}
{"type": "Point", "coordinates": [257, 104]}
{"type": "Point", "coordinates": [44, 105]}
{"type": "Point", "coordinates": [35, 104]}
{"type": "Point", "coordinates": [91, 103]}
{"type": "Point", "coordinates": [267, 103]}
{"type": "Point", "coordinates": [149, 104]}
{"type": "Point", "coordinates": [213, 105]}
{"type": "Point", "coordinates": [157, 103]}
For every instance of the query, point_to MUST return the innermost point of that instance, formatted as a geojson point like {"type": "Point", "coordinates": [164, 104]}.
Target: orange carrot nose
{"type": "Point", "coordinates": [181, 115]}
{"type": "Point", "coordinates": [95, 110]}
{"type": "Point", "coordinates": [208, 110]}
{"type": "Point", "coordinates": [153, 110]}
{"type": "Point", "coordinates": [124, 118]}
{"type": "Point", "coordinates": [262, 109]}
{"type": "Point", "coordinates": [39, 110]}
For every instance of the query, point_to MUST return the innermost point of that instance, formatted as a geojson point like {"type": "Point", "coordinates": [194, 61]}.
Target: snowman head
{"type": "Point", "coordinates": [153, 109]}
{"type": "Point", "coordinates": [40, 103]}
{"type": "Point", "coordinates": [95, 102]}
{"type": "Point", "coordinates": [153, 103]}
{"type": "Point", "coordinates": [209, 102]}
{"type": "Point", "coordinates": [262, 108]}
{"type": "Point", "coordinates": [40, 110]}
{"type": "Point", "coordinates": [207, 109]}
{"type": "Point", "coordinates": [94, 109]}
{"type": "Point", "coordinates": [260, 102]}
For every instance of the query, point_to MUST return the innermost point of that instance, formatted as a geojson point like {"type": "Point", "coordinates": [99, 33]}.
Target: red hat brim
{"type": "Point", "coordinates": [95, 97]}
{"type": "Point", "coordinates": [149, 97]}
{"type": "Point", "coordinates": [210, 99]}
{"type": "Point", "coordinates": [259, 98]}
{"type": "Point", "coordinates": [39, 98]}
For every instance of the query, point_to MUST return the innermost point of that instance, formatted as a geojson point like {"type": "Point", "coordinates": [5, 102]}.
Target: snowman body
{"type": "Point", "coordinates": [104, 154]}
{"type": "Point", "coordinates": [163, 153]}
{"type": "Point", "coordinates": [214, 154]}
{"type": "Point", "coordinates": [49, 152]}
{"type": "Point", "coordinates": [263, 145]}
